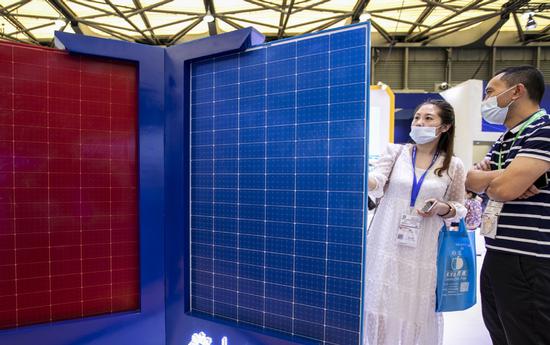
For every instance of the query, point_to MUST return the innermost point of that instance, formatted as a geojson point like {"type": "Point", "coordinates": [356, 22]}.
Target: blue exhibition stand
{"type": "Point", "coordinates": [164, 155]}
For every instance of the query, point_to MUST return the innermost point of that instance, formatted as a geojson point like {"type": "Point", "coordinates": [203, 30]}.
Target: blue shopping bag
{"type": "Point", "coordinates": [456, 269]}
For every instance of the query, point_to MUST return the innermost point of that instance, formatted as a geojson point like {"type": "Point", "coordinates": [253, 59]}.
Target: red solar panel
{"type": "Point", "coordinates": [68, 186]}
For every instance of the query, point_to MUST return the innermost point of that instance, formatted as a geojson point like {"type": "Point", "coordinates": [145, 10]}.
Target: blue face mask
{"type": "Point", "coordinates": [491, 112]}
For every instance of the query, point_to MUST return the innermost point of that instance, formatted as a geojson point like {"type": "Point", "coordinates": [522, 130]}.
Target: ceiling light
{"type": "Point", "coordinates": [526, 15]}
{"type": "Point", "coordinates": [531, 23]}
{"type": "Point", "coordinates": [443, 86]}
{"type": "Point", "coordinates": [209, 18]}
{"type": "Point", "coordinates": [364, 17]}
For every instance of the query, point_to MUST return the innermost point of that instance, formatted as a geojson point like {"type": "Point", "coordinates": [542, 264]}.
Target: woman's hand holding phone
{"type": "Point", "coordinates": [433, 207]}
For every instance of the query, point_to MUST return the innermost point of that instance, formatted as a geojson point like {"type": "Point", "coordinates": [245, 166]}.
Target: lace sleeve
{"type": "Point", "coordinates": [382, 169]}
{"type": "Point", "coordinates": [456, 191]}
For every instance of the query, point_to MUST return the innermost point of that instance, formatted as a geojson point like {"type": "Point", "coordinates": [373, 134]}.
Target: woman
{"type": "Point", "coordinates": [424, 188]}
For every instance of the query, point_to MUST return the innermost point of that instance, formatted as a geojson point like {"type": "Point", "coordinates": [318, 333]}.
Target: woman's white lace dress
{"type": "Point", "coordinates": [401, 281]}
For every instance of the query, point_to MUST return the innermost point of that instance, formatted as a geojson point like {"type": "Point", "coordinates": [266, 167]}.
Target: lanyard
{"type": "Point", "coordinates": [418, 184]}
{"type": "Point", "coordinates": [532, 119]}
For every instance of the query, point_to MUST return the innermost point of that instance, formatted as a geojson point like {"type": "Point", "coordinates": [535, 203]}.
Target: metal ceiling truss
{"type": "Point", "coordinates": [145, 20]}
{"type": "Point", "coordinates": [182, 32]}
{"type": "Point", "coordinates": [286, 17]}
{"type": "Point", "coordinates": [16, 5]}
{"type": "Point", "coordinates": [358, 9]}
{"type": "Point", "coordinates": [210, 9]}
{"type": "Point", "coordinates": [423, 34]}
{"type": "Point", "coordinates": [137, 25]}
{"type": "Point", "coordinates": [123, 16]}
{"type": "Point", "coordinates": [425, 13]}
{"type": "Point", "coordinates": [17, 24]}
{"type": "Point", "coordinates": [383, 32]}
{"type": "Point", "coordinates": [67, 13]}
{"type": "Point", "coordinates": [504, 13]}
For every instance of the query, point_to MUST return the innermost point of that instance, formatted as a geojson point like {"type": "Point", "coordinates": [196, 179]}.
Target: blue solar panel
{"type": "Point", "coordinates": [278, 185]}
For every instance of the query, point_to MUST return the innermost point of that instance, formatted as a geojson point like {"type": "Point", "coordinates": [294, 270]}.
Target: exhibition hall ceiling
{"type": "Point", "coordinates": [169, 22]}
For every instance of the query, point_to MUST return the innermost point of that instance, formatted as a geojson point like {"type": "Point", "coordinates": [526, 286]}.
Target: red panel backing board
{"type": "Point", "coordinates": [68, 186]}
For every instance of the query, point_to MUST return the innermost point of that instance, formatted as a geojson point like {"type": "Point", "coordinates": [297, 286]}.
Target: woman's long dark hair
{"type": "Point", "coordinates": [447, 139]}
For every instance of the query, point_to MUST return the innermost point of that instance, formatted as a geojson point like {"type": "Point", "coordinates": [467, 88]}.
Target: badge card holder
{"type": "Point", "coordinates": [409, 228]}
{"type": "Point", "coordinates": [489, 219]}
{"type": "Point", "coordinates": [409, 224]}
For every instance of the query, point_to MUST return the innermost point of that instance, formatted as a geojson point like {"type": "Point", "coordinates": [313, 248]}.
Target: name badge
{"type": "Point", "coordinates": [489, 219]}
{"type": "Point", "coordinates": [409, 228]}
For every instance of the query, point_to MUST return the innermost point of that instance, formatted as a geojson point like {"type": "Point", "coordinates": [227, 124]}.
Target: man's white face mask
{"type": "Point", "coordinates": [491, 112]}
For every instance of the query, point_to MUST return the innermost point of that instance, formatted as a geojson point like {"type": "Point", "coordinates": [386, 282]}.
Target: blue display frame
{"type": "Point", "coordinates": [185, 113]}
{"type": "Point", "coordinates": [163, 156]}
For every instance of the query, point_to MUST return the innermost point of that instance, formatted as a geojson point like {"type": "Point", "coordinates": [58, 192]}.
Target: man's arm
{"type": "Point", "coordinates": [517, 178]}
{"type": "Point", "coordinates": [479, 180]}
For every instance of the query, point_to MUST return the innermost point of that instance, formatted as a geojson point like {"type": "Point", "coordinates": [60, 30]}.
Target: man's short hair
{"type": "Point", "coordinates": [529, 76]}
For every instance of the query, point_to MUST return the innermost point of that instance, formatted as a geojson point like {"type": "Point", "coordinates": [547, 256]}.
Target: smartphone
{"type": "Point", "coordinates": [372, 205]}
{"type": "Point", "coordinates": [428, 206]}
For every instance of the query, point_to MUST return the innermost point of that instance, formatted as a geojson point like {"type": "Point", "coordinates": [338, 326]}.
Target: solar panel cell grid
{"type": "Point", "coordinates": [277, 161]}
{"type": "Point", "coordinates": [68, 201]}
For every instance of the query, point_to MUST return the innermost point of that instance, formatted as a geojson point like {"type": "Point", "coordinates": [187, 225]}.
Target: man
{"type": "Point", "coordinates": [515, 277]}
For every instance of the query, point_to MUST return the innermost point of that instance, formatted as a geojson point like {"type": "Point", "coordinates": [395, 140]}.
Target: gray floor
{"type": "Point", "coordinates": [466, 327]}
